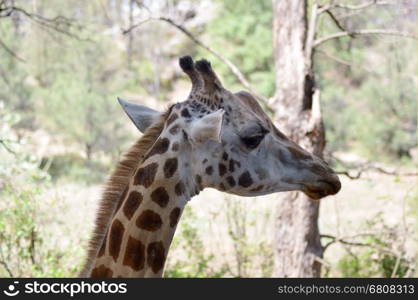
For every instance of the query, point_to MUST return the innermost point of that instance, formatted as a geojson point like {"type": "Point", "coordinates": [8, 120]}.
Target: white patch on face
{"type": "Point", "coordinates": [207, 128]}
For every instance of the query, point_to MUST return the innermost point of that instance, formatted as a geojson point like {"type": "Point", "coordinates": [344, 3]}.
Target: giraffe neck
{"type": "Point", "coordinates": [141, 231]}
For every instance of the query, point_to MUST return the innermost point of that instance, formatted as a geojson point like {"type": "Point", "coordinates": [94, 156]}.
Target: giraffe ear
{"type": "Point", "coordinates": [142, 116]}
{"type": "Point", "coordinates": [207, 128]}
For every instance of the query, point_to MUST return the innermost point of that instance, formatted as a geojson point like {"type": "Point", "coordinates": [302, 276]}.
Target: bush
{"type": "Point", "coordinates": [24, 251]}
{"type": "Point", "coordinates": [241, 253]}
{"type": "Point", "coordinates": [73, 168]}
{"type": "Point", "coordinates": [379, 253]}
{"type": "Point", "coordinates": [194, 262]}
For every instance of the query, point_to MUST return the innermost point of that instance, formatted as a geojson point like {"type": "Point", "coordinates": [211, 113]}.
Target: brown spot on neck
{"type": "Point", "coordinates": [145, 176]}
{"type": "Point", "coordinates": [149, 220]}
{"type": "Point", "coordinates": [160, 196]}
{"type": "Point", "coordinates": [156, 256]}
{"type": "Point", "coordinates": [179, 188]}
{"type": "Point", "coordinates": [160, 147]}
{"type": "Point", "coordinates": [174, 216]}
{"type": "Point", "coordinates": [132, 203]}
{"type": "Point", "coordinates": [101, 272]}
{"type": "Point", "coordinates": [115, 238]}
{"type": "Point", "coordinates": [134, 254]}
{"type": "Point", "coordinates": [170, 167]}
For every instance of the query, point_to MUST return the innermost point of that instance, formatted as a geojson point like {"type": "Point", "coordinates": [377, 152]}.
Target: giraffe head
{"type": "Point", "coordinates": [230, 144]}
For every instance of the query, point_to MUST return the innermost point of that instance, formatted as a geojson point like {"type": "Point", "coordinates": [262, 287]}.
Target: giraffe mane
{"type": "Point", "coordinates": [115, 187]}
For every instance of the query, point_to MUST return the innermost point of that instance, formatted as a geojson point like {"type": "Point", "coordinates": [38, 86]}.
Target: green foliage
{"type": "Point", "coordinates": [14, 92]}
{"type": "Point", "coordinates": [369, 101]}
{"type": "Point", "coordinates": [372, 263]}
{"type": "Point", "coordinates": [73, 168]}
{"type": "Point", "coordinates": [66, 86]}
{"type": "Point", "coordinates": [83, 107]}
{"type": "Point", "coordinates": [251, 256]}
{"type": "Point", "coordinates": [23, 251]}
{"type": "Point", "coordinates": [247, 256]}
{"type": "Point", "coordinates": [195, 262]}
{"type": "Point", "coordinates": [377, 255]}
{"type": "Point", "coordinates": [242, 32]}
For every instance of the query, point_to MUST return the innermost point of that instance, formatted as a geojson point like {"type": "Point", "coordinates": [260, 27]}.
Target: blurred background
{"type": "Point", "coordinates": [63, 63]}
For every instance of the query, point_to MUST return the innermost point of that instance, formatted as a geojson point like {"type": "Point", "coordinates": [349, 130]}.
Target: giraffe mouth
{"type": "Point", "coordinates": [314, 194]}
{"type": "Point", "coordinates": [322, 189]}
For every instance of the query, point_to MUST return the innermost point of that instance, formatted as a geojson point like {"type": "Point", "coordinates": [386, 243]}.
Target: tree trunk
{"type": "Point", "coordinates": [296, 104]}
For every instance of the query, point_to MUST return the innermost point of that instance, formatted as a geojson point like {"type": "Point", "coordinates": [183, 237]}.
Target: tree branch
{"type": "Point", "coordinates": [337, 59]}
{"type": "Point", "coordinates": [336, 21]}
{"type": "Point", "coordinates": [353, 7]}
{"type": "Point", "coordinates": [11, 52]}
{"type": "Point", "coordinates": [6, 267]}
{"type": "Point", "coordinates": [392, 173]}
{"type": "Point", "coordinates": [2, 142]}
{"type": "Point", "coordinates": [232, 67]}
{"type": "Point", "coordinates": [362, 5]}
{"type": "Point", "coordinates": [346, 241]}
{"type": "Point", "coordinates": [352, 177]}
{"type": "Point", "coordinates": [377, 169]}
{"type": "Point", "coordinates": [128, 30]}
{"type": "Point", "coordinates": [360, 169]}
{"type": "Point", "coordinates": [342, 240]}
{"type": "Point", "coordinates": [355, 33]}
{"type": "Point", "coordinates": [58, 23]}
{"type": "Point", "coordinates": [57, 19]}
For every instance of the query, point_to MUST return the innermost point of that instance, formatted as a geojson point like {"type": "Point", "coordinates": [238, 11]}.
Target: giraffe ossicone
{"type": "Point", "coordinates": [215, 139]}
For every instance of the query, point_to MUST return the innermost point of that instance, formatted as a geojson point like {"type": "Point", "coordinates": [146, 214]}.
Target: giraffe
{"type": "Point", "coordinates": [215, 138]}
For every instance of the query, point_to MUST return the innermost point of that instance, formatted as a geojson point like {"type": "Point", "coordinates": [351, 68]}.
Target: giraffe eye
{"type": "Point", "coordinates": [252, 141]}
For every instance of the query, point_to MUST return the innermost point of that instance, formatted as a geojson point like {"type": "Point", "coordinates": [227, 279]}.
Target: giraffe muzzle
{"type": "Point", "coordinates": [323, 188]}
